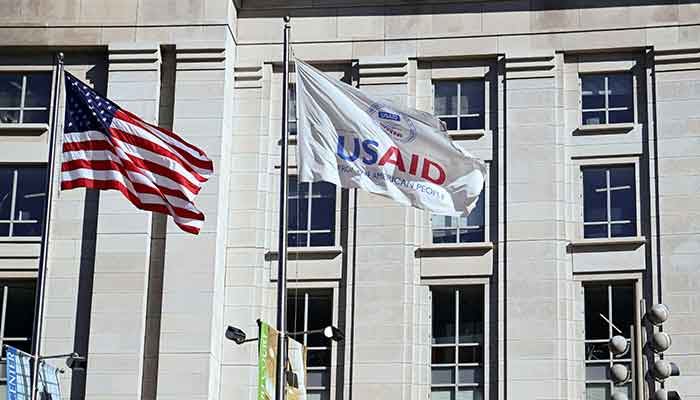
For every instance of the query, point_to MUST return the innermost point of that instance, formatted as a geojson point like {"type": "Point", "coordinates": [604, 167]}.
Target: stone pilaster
{"type": "Point", "coordinates": [123, 245]}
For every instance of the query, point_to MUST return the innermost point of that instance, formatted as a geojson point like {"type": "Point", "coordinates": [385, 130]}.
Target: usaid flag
{"type": "Point", "coordinates": [355, 141]}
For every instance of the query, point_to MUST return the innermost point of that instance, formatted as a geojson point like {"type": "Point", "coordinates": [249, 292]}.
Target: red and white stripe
{"type": "Point", "coordinates": [154, 168]}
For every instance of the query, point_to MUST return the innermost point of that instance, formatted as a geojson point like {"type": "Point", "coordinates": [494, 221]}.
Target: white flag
{"type": "Point", "coordinates": [355, 141]}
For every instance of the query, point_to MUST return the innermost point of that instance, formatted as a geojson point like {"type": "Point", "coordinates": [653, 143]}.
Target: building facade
{"type": "Point", "coordinates": [586, 112]}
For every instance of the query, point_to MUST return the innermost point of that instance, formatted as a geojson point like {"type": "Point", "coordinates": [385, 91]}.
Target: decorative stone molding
{"type": "Point", "coordinates": [248, 76]}
{"type": "Point", "coordinates": [200, 55]}
{"type": "Point", "coordinates": [382, 70]}
{"type": "Point", "coordinates": [134, 56]}
{"type": "Point", "coordinates": [677, 59]}
{"type": "Point", "coordinates": [540, 66]}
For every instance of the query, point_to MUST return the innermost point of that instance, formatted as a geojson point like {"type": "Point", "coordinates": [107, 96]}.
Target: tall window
{"type": "Point", "coordinates": [609, 311]}
{"type": "Point", "coordinates": [467, 229]}
{"type": "Point", "coordinates": [312, 310]}
{"type": "Point", "coordinates": [609, 202]}
{"type": "Point", "coordinates": [311, 213]}
{"type": "Point", "coordinates": [16, 318]}
{"type": "Point", "coordinates": [457, 366]}
{"type": "Point", "coordinates": [460, 104]}
{"type": "Point", "coordinates": [22, 200]}
{"type": "Point", "coordinates": [607, 98]}
{"type": "Point", "coordinates": [24, 97]}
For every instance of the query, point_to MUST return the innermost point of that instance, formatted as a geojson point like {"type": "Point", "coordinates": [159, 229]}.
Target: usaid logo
{"type": "Point", "coordinates": [392, 123]}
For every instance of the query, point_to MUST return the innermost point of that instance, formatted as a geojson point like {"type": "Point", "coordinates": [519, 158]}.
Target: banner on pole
{"type": "Point", "coordinates": [19, 376]}
{"type": "Point", "coordinates": [356, 141]}
{"type": "Point", "coordinates": [48, 386]}
{"type": "Point", "coordinates": [268, 345]}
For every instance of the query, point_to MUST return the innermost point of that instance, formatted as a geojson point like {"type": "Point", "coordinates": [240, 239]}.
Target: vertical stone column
{"type": "Point", "coordinates": [192, 327]}
{"type": "Point", "coordinates": [120, 280]}
{"type": "Point", "coordinates": [385, 273]}
{"type": "Point", "coordinates": [538, 294]}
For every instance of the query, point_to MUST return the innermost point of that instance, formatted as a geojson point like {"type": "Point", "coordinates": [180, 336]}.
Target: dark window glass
{"type": "Point", "coordinates": [607, 98]}
{"type": "Point", "coordinates": [10, 90]}
{"type": "Point", "coordinates": [24, 97]}
{"type": "Point", "coordinates": [446, 98]}
{"type": "Point", "coordinates": [471, 97]}
{"type": "Point", "coordinates": [292, 110]}
{"type": "Point", "coordinates": [444, 318]}
{"type": "Point", "coordinates": [38, 91]}
{"type": "Point", "coordinates": [609, 201]}
{"type": "Point", "coordinates": [443, 355]}
{"type": "Point", "coordinates": [7, 176]}
{"type": "Point", "coordinates": [311, 216]}
{"type": "Point", "coordinates": [461, 104]}
{"type": "Point", "coordinates": [450, 123]}
{"type": "Point", "coordinates": [623, 308]}
{"type": "Point", "coordinates": [469, 229]}
{"type": "Point", "coordinates": [22, 200]}
{"type": "Point", "coordinates": [19, 314]}
{"type": "Point", "coordinates": [471, 314]}
{"type": "Point", "coordinates": [596, 309]}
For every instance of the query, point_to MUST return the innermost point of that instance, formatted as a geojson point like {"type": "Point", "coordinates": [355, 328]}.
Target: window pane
{"type": "Point", "coordinates": [469, 394]}
{"type": "Point", "coordinates": [622, 176]}
{"type": "Point", "coordinates": [450, 123]}
{"type": "Point", "coordinates": [323, 213]}
{"type": "Point", "coordinates": [593, 117]}
{"type": "Point", "coordinates": [38, 90]}
{"type": "Point", "coordinates": [471, 314]}
{"type": "Point", "coordinates": [445, 98]}
{"type": "Point", "coordinates": [621, 116]}
{"type": "Point", "coordinates": [443, 221]}
{"type": "Point", "coordinates": [292, 127]}
{"type": "Point", "coordinates": [317, 378]}
{"type": "Point", "coordinates": [472, 97]}
{"type": "Point", "coordinates": [6, 179]}
{"type": "Point", "coordinates": [298, 214]}
{"type": "Point", "coordinates": [623, 308]}
{"type": "Point", "coordinates": [596, 304]}
{"type": "Point", "coordinates": [470, 354]}
{"type": "Point", "coordinates": [597, 351]}
{"type": "Point", "coordinates": [623, 196]}
{"type": "Point", "coordinates": [620, 87]}
{"type": "Point", "coordinates": [317, 395]}
{"type": "Point", "coordinates": [596, 372]}
{"type": "Point", "coordinates": [469, 375]}
{"type": "Point", "coordinates": [443, 355]}
{"type": "Point", "coordinates": [593, 93]}
{"type": "Point", "coordinates": [594, 199]}
{"type": "Point", "coordinates": [595, 231]}
{"type": "Point", "coordinates": [476, 217]}
{"type": "Point", "coordinates": [20, 308]}
{"type": "Point", "coordinates": [472, 122]}
{"type": "Point", "coordinates": [292, 103]}
{"type": "Point", "coordinates": [444, 235]}
{"type": "Point", "coordinates": [322, 239]}
{"type": "Point", "coordinates": [471, 235]}
{"type": "Point", "coordinates": [443, 315]}
{"type": "Point", "coordinates": [10, 90]}
{"type": "Point", "coordinates": [4, 229]}
{"type": "Point", "coordinates": [318, 358]}
{"type": "Point", "coordinates": [320, 316]}
{"type": "Point", "coordinates": [298, 239]}
{"type": "Point", "coordinates": [9, 117]}
{"type": "Point", "coordinates": [30, 200]}
{"type": "Point", "coordinates": [627, 389]}
{"type": "Point", "coordinates": [295, 314]}
{"type": "Point", "coordinates": [325, 189]}
{"type": "Point", "coordinates": [35, 116]}
{"type": "Point", "coordinates": [597, 391]}
{"type": "Point", "coordinates": [623, 230]}
{"type": "Point", "coordinates": [442, 394]}
{"type": "Point", "coordinates": [443, 375]}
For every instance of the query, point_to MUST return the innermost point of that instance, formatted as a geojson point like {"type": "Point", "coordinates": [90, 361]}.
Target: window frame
{"type": "Point", "coordinates": [633, 358]}
{"type": "Point", "coordinates": [486, 88]}
{"type": "Point", "coordinates": [606, 74]}
{"type": "Point", "coordinates": [21, 107]}
{"type": "Point", "coordinates": [580, 165]}
{"type": "Point", "coordinates": [13, 202]}
{"type": "Point", "coordinates": [459, 227]}
{"type": "Point", "coordinates": [308, 232]}
{"type": "Point", "coordinates": [4, 295]}
{"type": "Point", "coordinates": [331, 294]}
{"type": "Point", "coordinates": [427, 241]}
{"type": "Point", "coordinates": [457, 284]}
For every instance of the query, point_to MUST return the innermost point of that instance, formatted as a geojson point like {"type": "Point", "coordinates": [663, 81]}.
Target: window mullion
{"type": "Point", "coordinates": [22, 98]}
{"type": "Point", "coordinates": [456, 339]}
{"type": "Point", "coordinates": [607, 103]}
{"type": "Point", "coordinates": [459, 107]}
{"type": "Point", "coordinates": [13, 201]}
{"type": "Point", "coordinates": [3, 317]}
{"type": "Point", "coordinates": [306, 317]}
{"type": "Point", "coordinates": [608, 196]}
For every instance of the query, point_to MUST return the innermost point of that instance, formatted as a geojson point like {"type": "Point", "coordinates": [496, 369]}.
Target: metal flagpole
{"type": "Point", "coordinates": [282, 240]}
{"type": "Point", "coordinates": [46, 230]}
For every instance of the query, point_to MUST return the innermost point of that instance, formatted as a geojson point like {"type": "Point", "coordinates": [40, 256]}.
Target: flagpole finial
{"type": "Point", "coordinates": [60, 57]}
{"type": "Point", "coordinates": [287, 19]}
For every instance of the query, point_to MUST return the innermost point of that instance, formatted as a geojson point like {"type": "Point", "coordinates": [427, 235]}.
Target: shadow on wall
{"type": "Point", "coordinates": [320, 8]}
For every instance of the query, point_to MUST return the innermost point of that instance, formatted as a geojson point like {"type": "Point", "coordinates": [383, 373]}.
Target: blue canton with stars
{"type": "Point", "coordinates": [85, 109]}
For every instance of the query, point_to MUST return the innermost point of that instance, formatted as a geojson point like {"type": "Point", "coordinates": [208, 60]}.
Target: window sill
{"type": "Point", "coordinates": [454, 249]}
{"type": "Point", "coordinates": [598, 129]}
{"type": "Point", "coordinates": [307, 252]}
{"type": "Point", "coordinates": [635, 241]}
{"type": "Point", "coordinates": [20, 239]}
{"type": "Point", "coordinates": [23, 129]}
{"type": "Point", "coordinates": [468, 134]}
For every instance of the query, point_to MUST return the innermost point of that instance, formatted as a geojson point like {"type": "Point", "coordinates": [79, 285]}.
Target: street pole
{"type": "Point", "coordinates": [282, 241]}
{"type": "Point", "coordinates": [46, 231]}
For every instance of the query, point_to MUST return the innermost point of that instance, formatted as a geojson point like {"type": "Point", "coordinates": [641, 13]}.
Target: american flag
{"type": "Point", "coordinates": [107, 147]}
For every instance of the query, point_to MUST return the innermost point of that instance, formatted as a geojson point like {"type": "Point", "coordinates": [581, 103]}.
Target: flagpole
{"type": "Point", "coordinates": [282, 240]}
{"type": "Point", "coordinates": [45, 233]}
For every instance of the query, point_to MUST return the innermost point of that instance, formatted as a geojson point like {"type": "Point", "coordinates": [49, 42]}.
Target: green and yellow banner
{"type": "Point", "coordinates": [268, 345]}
